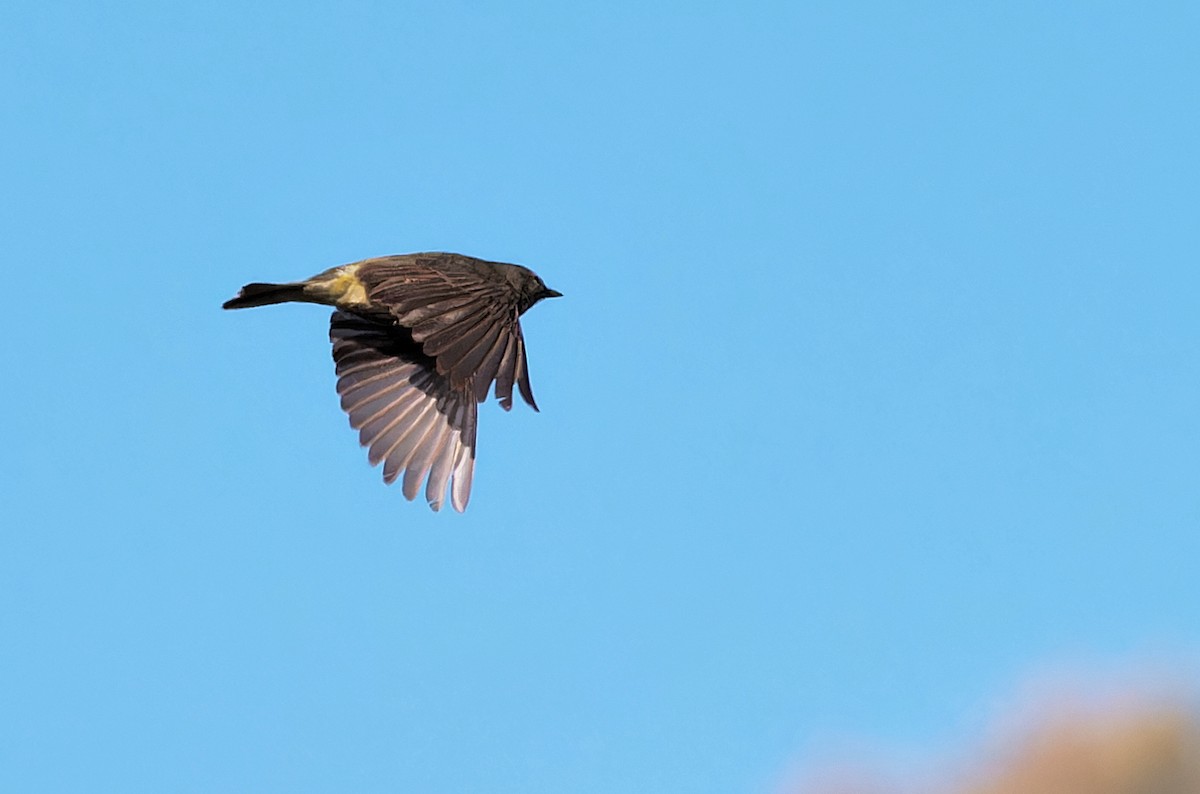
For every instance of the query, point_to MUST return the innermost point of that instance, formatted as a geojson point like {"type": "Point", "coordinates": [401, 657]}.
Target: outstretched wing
{"type": "Point", "coordinates": [462, 312]}
{"type": "Point", "coordinates": [407, 414]}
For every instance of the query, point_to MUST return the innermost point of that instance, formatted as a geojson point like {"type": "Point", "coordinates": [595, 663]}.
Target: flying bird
{"type": "Point", "coordinates": [418, 341]}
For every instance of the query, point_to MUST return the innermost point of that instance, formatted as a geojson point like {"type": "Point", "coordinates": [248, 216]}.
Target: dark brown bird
{"type": "Point", "coordinates": [418, 340]}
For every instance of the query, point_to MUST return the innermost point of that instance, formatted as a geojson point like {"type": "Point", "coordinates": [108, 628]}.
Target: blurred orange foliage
{"type": "Point", "coordinates": [1152, 751]}
{"type": "Point", "coordinates": [1136, 748]}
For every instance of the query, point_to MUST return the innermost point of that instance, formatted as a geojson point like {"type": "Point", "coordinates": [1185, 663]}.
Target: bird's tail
{"type": "Point", "coordinates": [265, 294]}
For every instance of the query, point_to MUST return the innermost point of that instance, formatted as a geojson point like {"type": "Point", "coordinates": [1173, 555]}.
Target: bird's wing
{"type": "Point", "coordinates": [407, 414]}
{"type": "Point", "coordinates": [465, 319]}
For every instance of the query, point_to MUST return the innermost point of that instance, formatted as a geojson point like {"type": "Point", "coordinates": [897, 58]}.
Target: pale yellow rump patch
{"type": "Point", "coordinates": [339, 287]}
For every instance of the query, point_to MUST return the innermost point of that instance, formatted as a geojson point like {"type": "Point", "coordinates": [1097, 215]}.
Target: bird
{"type": "Point", "coordinates": [418, 340]}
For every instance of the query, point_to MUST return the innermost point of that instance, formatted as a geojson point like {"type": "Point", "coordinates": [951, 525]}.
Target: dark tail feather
{"type": "Point", "coordinates": [264, 295]}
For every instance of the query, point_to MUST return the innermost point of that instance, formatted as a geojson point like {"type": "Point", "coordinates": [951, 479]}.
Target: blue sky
{"type": "Point", "coordinates": [874, 386]}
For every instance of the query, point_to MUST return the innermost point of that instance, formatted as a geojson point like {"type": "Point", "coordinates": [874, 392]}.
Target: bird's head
{"type": "Point", "coordinates": [532, 289]}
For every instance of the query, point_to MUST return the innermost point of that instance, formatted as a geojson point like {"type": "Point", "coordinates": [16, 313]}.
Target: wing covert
{"type": "Point", "coordinates": [462, 314]}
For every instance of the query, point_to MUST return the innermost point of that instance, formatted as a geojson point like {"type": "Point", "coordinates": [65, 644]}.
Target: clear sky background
{"type": "Point", "coordinates": [875, 385]}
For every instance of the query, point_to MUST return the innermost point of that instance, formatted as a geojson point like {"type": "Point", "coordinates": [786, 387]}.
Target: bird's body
{"type": "Point", "coordinates": [418, 341]}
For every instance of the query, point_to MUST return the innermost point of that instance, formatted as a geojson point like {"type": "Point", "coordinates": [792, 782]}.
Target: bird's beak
{"type": "Point", "coordinates": [551, 293]}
